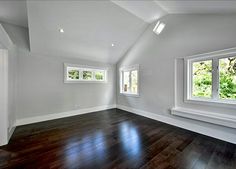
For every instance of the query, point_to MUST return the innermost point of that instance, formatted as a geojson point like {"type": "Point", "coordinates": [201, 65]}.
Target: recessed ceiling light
{"type": "Point", "coordinates": [61, 30]}
{"type": "Point", "coordinates": [112, 44]}
{"type": "Point", "coordinates": [159, 27]}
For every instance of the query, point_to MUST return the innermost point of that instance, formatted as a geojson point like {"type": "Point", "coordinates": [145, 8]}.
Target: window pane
{"type": "Point", "coordinates": [87, 75]}
{"type": "Point", "coordinates": [99, 75]}
{"type": "Point", "coordinates": [72, 74]}
{"type": "Point", "coordinates": [227, 69]}
{"type": "Point", "coordinates": [134, 82]}
{"type": "Point", "coordinates": [126, 85]}
{"type": "Point", "coordinates": [202, 79]}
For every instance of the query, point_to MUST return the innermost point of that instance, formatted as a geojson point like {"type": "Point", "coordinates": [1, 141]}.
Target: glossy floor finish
{"type": "Point", "coordinates": [113, 139]}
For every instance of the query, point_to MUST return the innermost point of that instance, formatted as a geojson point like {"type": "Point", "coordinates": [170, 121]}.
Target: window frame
{"type": "Point", "coordinates": [81, 69]}
{"type": "Point", "coordinates": [121, 73]}
{"type": "Point", "coordinates": [215, 57]}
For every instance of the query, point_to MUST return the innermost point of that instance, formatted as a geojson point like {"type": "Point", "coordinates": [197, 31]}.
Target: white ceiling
{"type": "Point", "coordinates": [148, 11]}
{"type": "Point", "coordinates": [90, 29]}
{"type": "Point", "coordinates": [92, 26]}
{"type": "Point", "coordinates": [200, 6]}
{"type": "Point", "coordinates": [14, 12]}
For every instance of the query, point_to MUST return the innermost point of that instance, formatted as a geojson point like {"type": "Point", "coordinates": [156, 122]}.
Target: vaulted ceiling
{"type": "Point", "coordinates": [198, 7]}
{"type": "Point", "coordinates": [14, 12]}
{"type": "Point", "coordinates": [91, 27]}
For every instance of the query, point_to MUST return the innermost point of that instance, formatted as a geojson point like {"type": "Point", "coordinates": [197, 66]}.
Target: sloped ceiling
{"type": "Point", "coordinates": [90, 27]}
{"type": "Point", "coordinates": [14, 12]}
{"type": "Point", "coordinates": [148, 11]}
{"type": "Point", "coordinates": [196, 6]}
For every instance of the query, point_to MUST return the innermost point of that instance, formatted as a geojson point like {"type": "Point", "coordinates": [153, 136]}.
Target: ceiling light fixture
{"type": "Point", "coordinates": [61, 30]}
{"type": "Point", "coordinates": [112, 44]}
{"type": "Point", "coordinates": [159, 27]}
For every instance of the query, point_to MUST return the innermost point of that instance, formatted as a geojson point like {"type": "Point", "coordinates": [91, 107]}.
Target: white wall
{"type": "Point", "coordinates": [40, 86]}
{"type": "Point", "coordinates": [184, 35]}
{"type": "Point", "coordinates": [41, 89]}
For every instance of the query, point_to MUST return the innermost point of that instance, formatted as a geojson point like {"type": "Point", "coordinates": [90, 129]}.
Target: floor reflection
{"type": "Point", "coordinates": [130, 140]}
{"type": "Point", "coordinates": [90, 148]}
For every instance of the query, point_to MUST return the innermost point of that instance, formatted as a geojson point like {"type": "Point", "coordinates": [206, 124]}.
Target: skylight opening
{"type": "Point", "coordinates": [159, 27]}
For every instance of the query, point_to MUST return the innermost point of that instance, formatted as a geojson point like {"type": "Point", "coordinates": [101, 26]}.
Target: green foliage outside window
{"type": "Point", "coordinates": [227, 68]}
{"type": "Point", "coordinates": [73, 74]}
{"type": "Point", "coordinates": [99, 75]}
{"type": "Point", "coordinates": [87, 75]}
{"type": "Point", "coordinates": [202, 79]}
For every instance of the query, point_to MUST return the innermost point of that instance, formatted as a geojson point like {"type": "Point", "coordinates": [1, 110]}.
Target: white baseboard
{"type": "Point", "coordinates": [212, 132]}
{"type": "Point", "coordinates": [30, 120]}
{"type": "Point", "coordinates": [11, 131]}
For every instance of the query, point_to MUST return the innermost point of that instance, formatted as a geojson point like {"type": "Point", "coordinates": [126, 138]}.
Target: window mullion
{"type": "Point", "coordinates": [122, 81]}
{"type": "Point", "coordinates": [215, 79]}
{"type": "Point", "coordinates": [190, 79]}
{"type": "Point", "coordinates": [93, 75]}
{"type": "Point", "coordinates": [81, 74]}
{"type": "Point", "coordinates": [130, 81]}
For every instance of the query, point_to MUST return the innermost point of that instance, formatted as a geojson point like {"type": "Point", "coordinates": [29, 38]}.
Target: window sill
{"type": "Point", "coordinates": [210, 117]}
{"type": "Point", "coordinates": [130, 94]}
{"type": "Point", "coordinates": [84, 81]}
{"type": "Point", "coordinates": [208, 102]}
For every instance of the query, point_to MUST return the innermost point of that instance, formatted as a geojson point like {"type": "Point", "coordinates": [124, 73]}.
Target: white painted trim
{"type": "Point", "coordinates": [212, 132]}
{"type": "Point", "coordinates": [210, 117]}
{"type": "Point", "coordinates": [10, 132]}
{"type": "Point", "coordinates": [3, 97]}
{"type": "Point", "coordinates": [30, 120]}
{"type": "Point", "coordinates": [130, 94]}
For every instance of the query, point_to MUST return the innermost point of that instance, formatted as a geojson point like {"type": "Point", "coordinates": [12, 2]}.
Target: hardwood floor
{"type": "Point", "coordinates": [113, 139]}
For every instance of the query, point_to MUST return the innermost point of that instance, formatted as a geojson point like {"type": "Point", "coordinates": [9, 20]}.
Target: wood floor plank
{"type": "Point", "coordinates": [113, 139]}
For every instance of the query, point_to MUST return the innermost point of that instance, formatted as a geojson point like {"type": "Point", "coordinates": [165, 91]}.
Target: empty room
{"type": "Point", "coordinates": [117, 84]}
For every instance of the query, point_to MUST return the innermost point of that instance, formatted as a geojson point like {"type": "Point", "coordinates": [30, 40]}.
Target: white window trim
{"type": "Point", "coordinates": [214, 56]}
{"type": "Point", "coordinates": [128, 68]}
{"type": "Point", "coordinates": [82, 68]}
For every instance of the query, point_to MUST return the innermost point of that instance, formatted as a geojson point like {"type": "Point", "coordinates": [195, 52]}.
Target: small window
{"type": "Point", "coordinates": [212, 78]}
{"type": "Point", "coordinates": [78, 73]}
{"type": "Point", "coordinates": [129, 80]}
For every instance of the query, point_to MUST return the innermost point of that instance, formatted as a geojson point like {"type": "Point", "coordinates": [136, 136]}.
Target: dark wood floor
{"type": "Point", "coordinates": [113, 139]}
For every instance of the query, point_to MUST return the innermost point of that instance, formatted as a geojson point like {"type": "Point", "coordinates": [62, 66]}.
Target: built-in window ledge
{"type": "Point", "coordinates": [210, 117]}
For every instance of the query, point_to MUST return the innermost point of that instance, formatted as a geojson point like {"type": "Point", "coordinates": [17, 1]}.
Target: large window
{"type": "Point", "coordinates": [129, 80]}
{"type": "Point", "coordinates": [212, 79]}
{"type": "Point", "coordinates": [78, 73]}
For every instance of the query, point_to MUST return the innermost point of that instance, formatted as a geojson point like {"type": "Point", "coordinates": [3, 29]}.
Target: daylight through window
{"type": "Point", "coordinates": [212, 79]}
{"type": "Point", "coordinates": [129, 80]}
{"type": "Point", "coordinates": [77, 73]}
